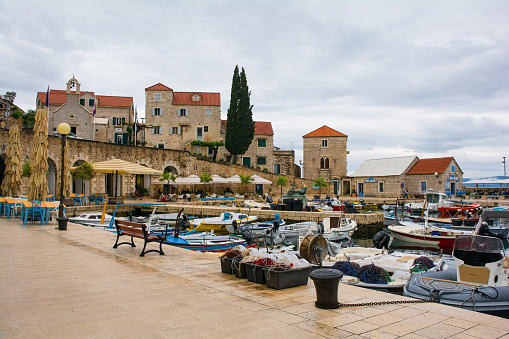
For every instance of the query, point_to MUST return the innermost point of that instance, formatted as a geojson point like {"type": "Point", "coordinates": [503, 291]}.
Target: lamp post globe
{"type": "Point", "coordinates": [63, 130]}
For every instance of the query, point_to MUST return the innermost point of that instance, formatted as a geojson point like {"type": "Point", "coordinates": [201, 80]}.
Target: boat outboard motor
{"type": "Point", "coordinates": [235, 227]}
{"type": "Point", "coordinates": [274, 227]}
{"type": "Point", "coordinates": [321, 228]}
{"type": "Point", "coordinates": [184, 223]}
{"type": "Point", "coordinates": [381, 240]}
{"type": "Point", "coordinates": [247, 237]}
{"type": "Point", "coordinates": [485, 230]}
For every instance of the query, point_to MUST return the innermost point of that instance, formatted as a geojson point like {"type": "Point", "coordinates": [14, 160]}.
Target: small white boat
{"type": "Point", "coordinates": [399, 265]}
{"type": "Point", "coordinates": [299, 229]}
{"type": "Point", "coordinates": [218, 224]}
{"type": "Point", "coordinates": [338, 228]}
{"type": "Point", "coordinates": [92, 218]}
{"type": "Point", "coordinates": [433, 201]}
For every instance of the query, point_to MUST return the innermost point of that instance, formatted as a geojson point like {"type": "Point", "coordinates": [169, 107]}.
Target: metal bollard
{"type": "Point", "coordinates": [326, 285]}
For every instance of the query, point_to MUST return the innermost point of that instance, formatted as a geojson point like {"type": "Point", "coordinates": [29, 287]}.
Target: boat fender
{"type": "Point", "coordinates": [381, 240]}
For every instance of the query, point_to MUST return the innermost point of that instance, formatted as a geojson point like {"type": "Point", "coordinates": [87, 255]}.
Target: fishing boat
{"type": "Point", "coordinates": [433, 201]}
{"type": "Point", "coordinates": [218, 224]}
{"type": "Point", "coordinates": [338, 228]}
{"type": "Point", "coordinates": [425, 237]}
{"type": "Point", "coordinates": [92, 218]}
{"type": "Point", "coordinates": [479, 282]}
{"type": "Point", "coordinates": [460, 209]}
{"type": "Point", "coordinates": [261, 232]}
{"type": "Point", "coordinates": [299, 229]}
{"type": "Point", "coordinates": [205, 242]}
{"type": "Point", "coordinates": [381, 269]}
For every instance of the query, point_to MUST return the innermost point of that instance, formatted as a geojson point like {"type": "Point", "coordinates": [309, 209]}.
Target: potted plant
{"type": "Point", "coordinates": [354, 193]}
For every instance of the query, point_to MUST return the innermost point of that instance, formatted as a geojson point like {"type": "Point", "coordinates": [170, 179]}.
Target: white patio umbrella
{"type": "Point", "coordinates": [259, 180]}
{"type": "Point", "coordinates": [190, 180]}
{"type": "Point", "coordinates": [217, 179]}
{"type": "Point", "coordinates": [234, 179]}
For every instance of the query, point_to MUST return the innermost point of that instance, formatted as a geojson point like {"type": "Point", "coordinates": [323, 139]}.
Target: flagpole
{"type": "Point", "coordinates": [135, 122]}
{"type": "Point", "coordinates": [93, 119]}
{"type": "Point", "coordinates": [47, 106]}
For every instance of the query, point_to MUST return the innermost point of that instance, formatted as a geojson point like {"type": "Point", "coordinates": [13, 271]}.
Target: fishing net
{"type": "Point", "coordinates": [372, 274]}
{"type": "Point", "coordinates": [347, 267]}
{"type": "Point", "coordinates": [418, 269]}
{"type": "Point", "coordinates": [424, 261]}
{"type": "Point", "coordinates": [264, 262]}
{"type": "Point", "coordinates": [232, 254]}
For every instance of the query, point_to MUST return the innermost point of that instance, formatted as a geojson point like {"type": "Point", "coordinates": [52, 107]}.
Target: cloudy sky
{"type": "Point", "coordinates": [426, 78]}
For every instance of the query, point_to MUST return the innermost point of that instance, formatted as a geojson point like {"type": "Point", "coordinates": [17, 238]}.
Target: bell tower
{"type": "Point", "coordinates": [72, 83]}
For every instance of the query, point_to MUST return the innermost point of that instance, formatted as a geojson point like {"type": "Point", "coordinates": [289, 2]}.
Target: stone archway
{"type": "Point", "coordinates": [171, 169]}
{"type": "Point", "coordinates": [52, 177]}
{"type": "Point", "coordinates": [80, 186]}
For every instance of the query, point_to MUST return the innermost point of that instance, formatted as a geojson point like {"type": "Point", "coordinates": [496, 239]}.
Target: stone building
{"type": "Point", "coordinates": [324, 155]}
{"type": "Point", "coordinates": [75, 107]}
{"type": "Point", "coordinates": [260, 152]}
{"type": "Point", "coordinates": [175, 119]}
{"type": "Point", "coordinates": [389, 176]}
{"type": "Point", "coordinates": [382, 177]}
{"type": "Point", "coordinates": [435, 174]}
{"type": "Point", "coordinates": [284, 162]}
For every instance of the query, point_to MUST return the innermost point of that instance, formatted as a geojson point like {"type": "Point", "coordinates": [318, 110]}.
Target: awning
{"type": "Point", "coordinates": [259, 180]}
{"type": "Point", "coordinates": [122, 167]}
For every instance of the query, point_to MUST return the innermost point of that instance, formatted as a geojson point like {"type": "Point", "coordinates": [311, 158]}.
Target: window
{"type": "Point", "coordinates": [183, 112]}
{"type": "Point", "coordinates": [261, 161]}
{"type": "Point", "coordinates": [262, 143]}
{"type": "Point", "coordinates": [157, 111]}
{"type": "Point", "coordinates": [196, 97]}
{"type": "Point", "coordinates": [210, 153]}
{"type": "Point", "coordinates": [423, 186]}
{"type": "Point", "coordinates": [197, 149]}
{"type": "Point", "coordinates": [160, 145]}
{"type": "Point", "coordinates": [82, 102]}
{"type": "Point", "coordinates": [208, 112]}
{"type": "Point", "coordinates": [380, 187]}
{"type": "Point", "coordinates": [199, 133]}
{"type": "Point", "coordinates": [277, 168]}
{"type": "Point", "coordinates": [324, 163]}
{"type": "Point", "coordinates": [174, 130]}
{"type": "Point", "coordinates": [324, 143]}
{"type": "Point", "coordinates": [452, 168]}
{"type": "Point", "coordinates": [91, 102]}
{"type": "Point", "coordinates": [157, 96]}
{"type": "Point", "coordinates": [157, 130]}
{"type": "Point", "coordinates": [205, 128]}
{"type": "Point", "coordinates": [118, 121]}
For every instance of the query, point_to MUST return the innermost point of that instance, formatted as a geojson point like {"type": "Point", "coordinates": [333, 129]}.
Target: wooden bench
{"type": "Point", "coordinates": [137, 230]}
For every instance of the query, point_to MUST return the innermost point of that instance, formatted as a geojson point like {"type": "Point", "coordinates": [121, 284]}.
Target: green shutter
{"type": "Point", "coordinates": [114, 121]}
{"type": "Point", "coordinates": [82, 102]}
{"type": "Point", "coordinates": [90, 102]}
{"type": "Point", "coordinates": [262, 143]}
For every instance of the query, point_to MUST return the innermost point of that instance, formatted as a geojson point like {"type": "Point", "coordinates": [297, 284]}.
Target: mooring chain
{"type": "Point", "coordinates": [375, 303]}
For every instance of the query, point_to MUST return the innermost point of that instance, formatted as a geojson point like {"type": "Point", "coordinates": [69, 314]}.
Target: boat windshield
{"type": "Point", "coordinates": [477, 250]}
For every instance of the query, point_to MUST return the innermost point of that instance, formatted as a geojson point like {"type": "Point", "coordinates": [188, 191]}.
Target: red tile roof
{"type": "Point", "coordinates": [110, 101]}
{"type": "Point", "coordinates": [206, 99]}
{"type": "Point", "coordinates": [430, 166]}
{"type": "Point", "coordinates": [158, 87]}
{"type": "Point", "coordinates": [324, 131]}
{"type": "Point", "coordinates": [58, 97]}
{"type": "Point", "coordinates": [261, 127]}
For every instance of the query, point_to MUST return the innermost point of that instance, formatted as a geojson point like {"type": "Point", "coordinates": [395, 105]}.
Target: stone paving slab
{"type": "Point", "coordinates": [61, 284]}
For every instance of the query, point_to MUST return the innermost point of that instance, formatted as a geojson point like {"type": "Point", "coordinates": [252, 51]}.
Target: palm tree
{"type": "Point", "coordinates": [320, 182]}
{"type": "Point", "coordinates": [281, 181]}
{"type": "Point", "coordinates": [244, 180]}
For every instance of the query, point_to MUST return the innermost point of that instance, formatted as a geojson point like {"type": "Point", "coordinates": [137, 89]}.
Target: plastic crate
{"type": "Point", "coordinates": [239, 269]}
{"type": "Point", "coordinates": [285, 279]}
{"type": "Point", "coordinates": [226, 265]}
{"type": "Point", "coordinates": [255, 273]}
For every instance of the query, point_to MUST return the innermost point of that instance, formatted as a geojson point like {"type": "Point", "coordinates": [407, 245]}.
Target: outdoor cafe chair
{"type": "Point", "coordinates": [35, 211]}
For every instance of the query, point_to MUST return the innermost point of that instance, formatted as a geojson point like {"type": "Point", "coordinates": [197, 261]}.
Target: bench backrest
{"type": "Point", "coordinates": [130, 226]}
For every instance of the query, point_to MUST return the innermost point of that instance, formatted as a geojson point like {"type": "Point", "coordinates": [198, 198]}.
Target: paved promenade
{"type": "Point", "coordinates": [73, 284]}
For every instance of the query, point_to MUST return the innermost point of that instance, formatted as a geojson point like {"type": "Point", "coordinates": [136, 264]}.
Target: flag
{"type": "Point", "coordinates": [94, 106]}
{"type": "Point", "coordinates": [47, 97]}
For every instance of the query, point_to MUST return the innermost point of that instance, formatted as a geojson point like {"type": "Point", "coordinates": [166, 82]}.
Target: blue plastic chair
{"type": "Point", "coordinates": [36, 211]}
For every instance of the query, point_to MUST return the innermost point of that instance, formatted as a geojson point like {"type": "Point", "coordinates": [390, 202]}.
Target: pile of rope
{"type": "Point", "coordinates": [232, 254]}
{"type": "Point", "coordinates": [422, 264]}
{"type": "Point", "coordinates": [373, 274]}
{"type": "Point", "coordinates": [370, 274]}
{"type": "Point", "coordinates": [347, 267]}
{"type": "Point", "coordinates": [250, 259]}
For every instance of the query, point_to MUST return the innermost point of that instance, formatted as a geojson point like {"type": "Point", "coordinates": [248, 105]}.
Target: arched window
{"type": "Point", "coordinates": [324, 163]}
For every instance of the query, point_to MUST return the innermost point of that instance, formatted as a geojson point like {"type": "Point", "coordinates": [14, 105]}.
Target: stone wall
{"type": "Point", "coordinates": [159, 159]}
{"type": "Point", "coordinates": [335, 151]}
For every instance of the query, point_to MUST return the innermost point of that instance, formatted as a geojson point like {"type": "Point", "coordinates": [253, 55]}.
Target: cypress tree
{"type": "Point", "coordinates": [240, 125]}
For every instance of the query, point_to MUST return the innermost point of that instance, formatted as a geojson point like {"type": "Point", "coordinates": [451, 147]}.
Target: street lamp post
{"type": "Point", "coordinates": [63, 130]}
